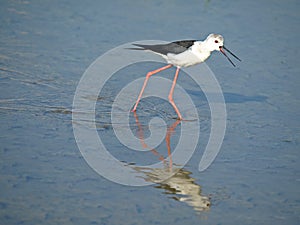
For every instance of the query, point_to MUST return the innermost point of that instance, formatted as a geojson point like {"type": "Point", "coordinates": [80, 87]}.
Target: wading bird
{"type": "Point", "coordinates": [183, 54]}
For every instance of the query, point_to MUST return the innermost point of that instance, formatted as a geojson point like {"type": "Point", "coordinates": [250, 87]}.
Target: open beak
{"type": "Point", "coordinates": [222, 48]}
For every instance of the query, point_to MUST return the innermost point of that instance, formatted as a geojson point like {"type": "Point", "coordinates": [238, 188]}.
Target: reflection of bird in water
{"type": "Point", "coordinates": [181, 186]}
{"type": "Point", "coordinates": [175, 181]}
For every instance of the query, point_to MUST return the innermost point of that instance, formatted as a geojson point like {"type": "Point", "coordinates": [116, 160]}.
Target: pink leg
{"type": "Point", "coordinates": [149, 74]}
{"type": "Point", "coordinates": [168, 141]}
{"type": "Point", "coordinates": [171, 94]}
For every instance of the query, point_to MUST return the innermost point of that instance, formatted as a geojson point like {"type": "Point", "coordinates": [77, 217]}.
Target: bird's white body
{"type": "Point", "coordinates": [194, 55]}
{"type": "Point", "coordinates": [197, 53]}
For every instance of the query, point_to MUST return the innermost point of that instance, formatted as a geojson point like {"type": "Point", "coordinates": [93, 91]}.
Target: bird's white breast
{"type": "Point", "coordinates": [190, 57]}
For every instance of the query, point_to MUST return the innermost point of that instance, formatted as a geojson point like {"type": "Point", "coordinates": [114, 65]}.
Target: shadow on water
{"type": "Point", "coordinates": [232, 97]}
{"type": "Point", "coordinates": [238, 98]}
{"type": "Point", "coordinates": [177, 183]}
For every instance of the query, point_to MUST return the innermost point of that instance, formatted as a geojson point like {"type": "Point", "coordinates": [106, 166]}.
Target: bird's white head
{"type": "Point", "coordinates": [214, 42]}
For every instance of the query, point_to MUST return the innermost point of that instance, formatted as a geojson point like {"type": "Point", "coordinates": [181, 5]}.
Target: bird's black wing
{"type": "Point", "coordinates": [185, 43]}
{"type": "Point", "coordinates": [175, 47]}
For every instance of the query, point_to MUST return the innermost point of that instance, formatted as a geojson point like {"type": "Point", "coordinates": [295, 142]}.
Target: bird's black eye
{"type": "Point", "coordinates": [216, 41]}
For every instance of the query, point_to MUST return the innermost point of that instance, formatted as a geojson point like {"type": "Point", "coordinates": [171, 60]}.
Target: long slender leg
{"type": "Point", "coordinates": [142, 139]}
{"type": "Point", "coordinates": [168, 141]}
{"type": "Point", "coordinates": [171, 94]}
{"type": "Point", "coordinates": [149, 74]}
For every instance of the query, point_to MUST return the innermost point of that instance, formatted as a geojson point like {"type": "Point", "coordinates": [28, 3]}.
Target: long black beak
{"type": "Point", "coordinates": [222, 50]}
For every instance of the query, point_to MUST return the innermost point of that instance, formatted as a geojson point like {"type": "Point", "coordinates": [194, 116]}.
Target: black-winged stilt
{"type": "Point", "coordinates": [183, 54]}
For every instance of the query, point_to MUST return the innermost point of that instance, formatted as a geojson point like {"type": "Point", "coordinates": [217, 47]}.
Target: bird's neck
{"type": "Point", "coordinates": [201, 51]}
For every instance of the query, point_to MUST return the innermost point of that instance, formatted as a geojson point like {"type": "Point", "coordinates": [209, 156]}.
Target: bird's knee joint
{"type": "Point", "coordinates": [149, 74]}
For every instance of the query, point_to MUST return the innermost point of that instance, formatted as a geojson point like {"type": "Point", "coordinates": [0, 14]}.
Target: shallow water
{"type": "Point", "coordinates": [46, 47]}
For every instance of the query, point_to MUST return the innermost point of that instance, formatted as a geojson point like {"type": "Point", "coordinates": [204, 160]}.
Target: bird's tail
{"type": "Point", "coordinates": [135, 48]}
{"type": "Point", "coordinates": [142, 47]}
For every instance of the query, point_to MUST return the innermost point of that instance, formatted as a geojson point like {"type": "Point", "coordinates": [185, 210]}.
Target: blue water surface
{"type": "Point", "coordinates": [45, 47]}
